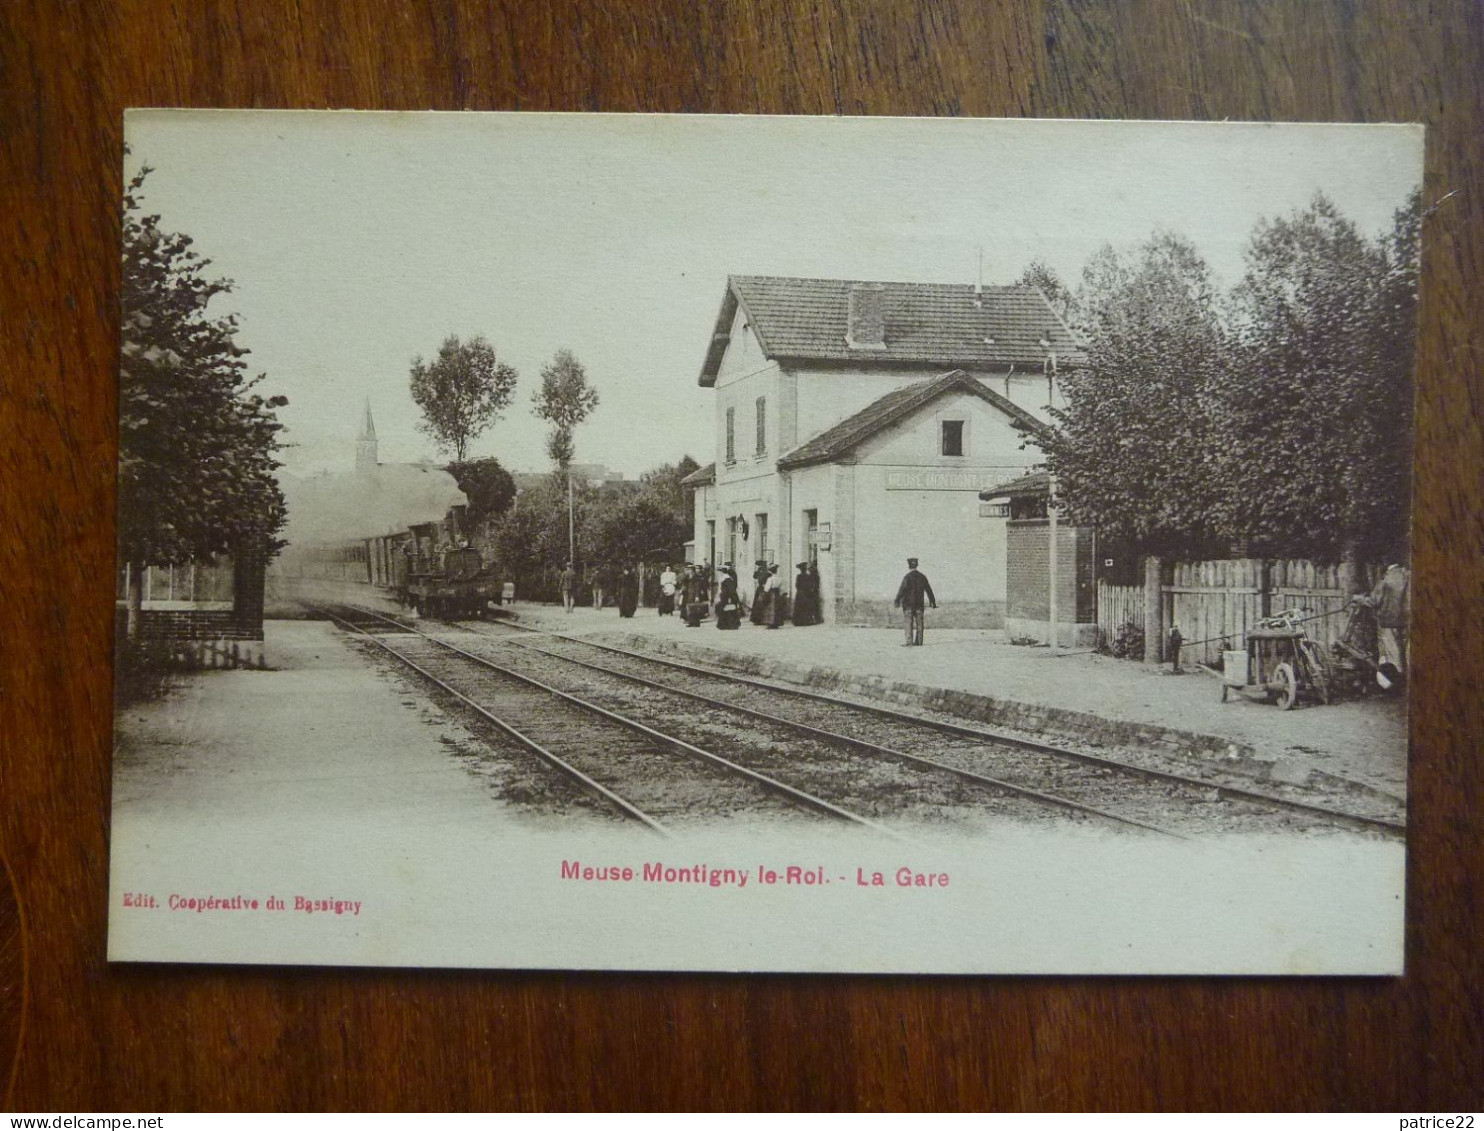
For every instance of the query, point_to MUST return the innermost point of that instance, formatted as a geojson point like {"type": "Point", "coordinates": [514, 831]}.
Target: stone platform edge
{"type": "Point", "coordinates": [1031, 718]}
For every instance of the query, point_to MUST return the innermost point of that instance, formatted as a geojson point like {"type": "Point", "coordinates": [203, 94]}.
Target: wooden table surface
{"type": "Point", "coordinates": [92, 1036]}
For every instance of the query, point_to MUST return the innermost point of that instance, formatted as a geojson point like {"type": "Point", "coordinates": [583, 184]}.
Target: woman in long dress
{"type": "Point", "coordinates": [802, 601]}
{"type": "Point", "coordinates": [774, 589]}
{"type": "Point", "coordinates": [628, 593]}
{"type": "Point", "coordinates": [816, 598]}
{"type": "Point", "coordinates": [760, 593]}
{"type": "Point", "coordinates": [728, 602]}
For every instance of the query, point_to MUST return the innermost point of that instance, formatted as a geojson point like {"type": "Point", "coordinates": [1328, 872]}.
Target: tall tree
{"type": "Point", "coordinates": [1320, 403]}
{"type": "Point", "coordinates": [462, 392]}
{"type": "Point", "coordinates": [1135, 448]}
{"type": "Point", "coordinates": [196, 444]}
{"type": "Point", "coordinates": [565, 399]}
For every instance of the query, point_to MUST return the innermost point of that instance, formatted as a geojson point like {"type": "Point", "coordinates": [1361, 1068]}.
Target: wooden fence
{"type": "Point", "coordinates": [1214, 603]}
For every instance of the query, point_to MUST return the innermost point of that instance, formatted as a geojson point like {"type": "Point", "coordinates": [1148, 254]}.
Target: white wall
{"type": "Point", "coordinates": [744, 375]}
{"type": "Point", "coordinates": [827, 396]}
{"type": "Point", "coordinates": [962, 553]}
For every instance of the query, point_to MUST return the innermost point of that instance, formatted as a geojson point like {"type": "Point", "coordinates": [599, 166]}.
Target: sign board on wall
{"type": "Point", "coordinates": [926, 480]}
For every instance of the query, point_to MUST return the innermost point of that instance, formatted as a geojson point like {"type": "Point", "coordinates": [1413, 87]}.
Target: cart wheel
{"type": "Point", "coordinates": [1285, 687]}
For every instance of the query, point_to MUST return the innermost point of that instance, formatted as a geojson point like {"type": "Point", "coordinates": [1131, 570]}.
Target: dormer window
{"type": "Point", "coordinates": [951, 441]}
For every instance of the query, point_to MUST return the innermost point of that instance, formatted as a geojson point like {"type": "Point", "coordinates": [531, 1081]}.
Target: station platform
{"type": "Point", "coordinates": [1076, 696]}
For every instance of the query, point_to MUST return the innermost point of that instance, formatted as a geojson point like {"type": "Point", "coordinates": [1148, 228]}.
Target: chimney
{"type": "Point", "coordinates": [866, 319]}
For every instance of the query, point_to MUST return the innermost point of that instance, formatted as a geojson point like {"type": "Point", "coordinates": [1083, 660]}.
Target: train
{"type": "Point", "coordinates": [431, 567]}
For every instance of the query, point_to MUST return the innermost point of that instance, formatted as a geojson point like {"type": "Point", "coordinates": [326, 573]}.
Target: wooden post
{"type": "Point", "coordinates": [134, 600]}
{"type": "Point", "coordinates": [1051, 556]}
{"type": "Point", "coordinates": [1154, 628]}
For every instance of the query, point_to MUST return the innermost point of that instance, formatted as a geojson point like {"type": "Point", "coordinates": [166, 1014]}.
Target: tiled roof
{"type": "Point", "coordinates": [700, 477]}
{"type": "Point", "coordinates": [929, 324]}
{"type": "Point", "coordinates": [899, 403]}
{"type": "Point", "coordinates": [1035, 484]}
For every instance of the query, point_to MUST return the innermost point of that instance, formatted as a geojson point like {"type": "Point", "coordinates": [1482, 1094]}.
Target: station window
{"type": "Point", "coordinates": [762, 425]}
{"type": "Point", "coordinates": [731, 435]}
{"type": "Point", "coordinates": [760, 524]}
{"type": "Point", "coordinates": [953, 438]}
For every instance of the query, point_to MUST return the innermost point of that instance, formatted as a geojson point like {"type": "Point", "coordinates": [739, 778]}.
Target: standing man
{"type": "Point", "coordinates": [1390, 600]}
{"type": "Point", "coordinates": [568, 581]}
{"type": "Point", "coordinates": [910, 595]}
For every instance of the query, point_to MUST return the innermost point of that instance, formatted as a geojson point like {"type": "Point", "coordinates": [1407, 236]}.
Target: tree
{"type": "Point", "coordinates": [196, 445]}
{"type": "Point", "coordinates": [1136, 448]}
{"type": "Point", "coordinates": [566, 400]}
{"type": "Point", "coordinates": [1320, 404]}
{"type": "Point", "coordinates": [663, 483]}
{"type": "Point", "coordinates": [487, 486]}
{"type": "Point", "coordinates": [530, 538]}
{"type": "Point", "coordinates": [461, 392]}
{"type": "Point", "coordinates": [1038, 274]}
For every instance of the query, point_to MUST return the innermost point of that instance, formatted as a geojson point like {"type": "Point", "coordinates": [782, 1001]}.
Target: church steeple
{"type": "Point", "coordinates": [366, 444]}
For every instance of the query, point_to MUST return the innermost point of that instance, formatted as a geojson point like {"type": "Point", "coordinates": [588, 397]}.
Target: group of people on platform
{"type": "Point", "coordinates": [689, 593]}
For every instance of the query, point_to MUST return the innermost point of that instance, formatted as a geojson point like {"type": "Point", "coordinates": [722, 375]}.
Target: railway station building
{"type": "Point", "coordinates": [858, 422]}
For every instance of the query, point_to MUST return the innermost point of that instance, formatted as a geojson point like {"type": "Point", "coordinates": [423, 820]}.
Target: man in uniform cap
{"type": "Point", "coordinates": [911, 594]}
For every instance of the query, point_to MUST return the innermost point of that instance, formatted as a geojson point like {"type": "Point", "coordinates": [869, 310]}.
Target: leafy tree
{"type": "Point", "coordinates": [663, 484]}
{"type": "Point", "coordinates": [1038, 274]}
{"type": "Point", "coordinates": [1320, 402]}
{"type": "Point", "coordinates": [1137, 447]}
{"type": "Point", "coordinates": [530, 538]}
{"type": "Point", "coordinates": [566, 400]}
{"type": "Point", "coordinates": [487, 486]}
{"type": "Point", "coordinates": [462, 392]}
{"type": "Point", "coordinates": [196, 445]}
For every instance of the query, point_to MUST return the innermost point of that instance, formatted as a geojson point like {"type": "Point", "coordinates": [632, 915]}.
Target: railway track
{"type": "Point", "coordinates": [1059, 775]}
{"type": "Point", "coordinates": [889, 784]}
{"type": "Point", "coordinates": [644, 774]}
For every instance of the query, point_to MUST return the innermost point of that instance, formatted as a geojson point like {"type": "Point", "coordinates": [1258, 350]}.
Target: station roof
{"type": "Point", "coordinates": [1034, 485]}
{"type": "Point", "coordinates": [935, 325]}
{"type": "Point", "coordinates": [835, 442]}
{"type": "Point", "coordinates": [700, 477]}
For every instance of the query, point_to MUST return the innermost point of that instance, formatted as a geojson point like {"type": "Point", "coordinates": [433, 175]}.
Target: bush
{"type": "Point", "coordinates": [1129, 643]}
{"type": "Point", "coordinates": [142, 670]}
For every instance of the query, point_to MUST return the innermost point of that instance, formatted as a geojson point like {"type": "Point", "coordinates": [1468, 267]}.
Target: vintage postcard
{"type": "Point", "coordinates": [796, 544]}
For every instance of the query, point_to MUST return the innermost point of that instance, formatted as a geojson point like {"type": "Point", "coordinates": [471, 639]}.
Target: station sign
{"type": "Point", "coordinates": [935, 480]}
{"type": "Point", "coordinates": [994, 510]}
{"type": "Point", "coordinates": [820, 536]}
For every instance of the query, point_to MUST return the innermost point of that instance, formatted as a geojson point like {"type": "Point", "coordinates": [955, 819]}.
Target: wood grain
{"type": "Point", "coordinates": [100, 1037]}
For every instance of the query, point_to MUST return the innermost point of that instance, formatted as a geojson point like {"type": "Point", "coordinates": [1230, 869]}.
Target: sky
{"type": "Point", "coordinates": [358, 241]}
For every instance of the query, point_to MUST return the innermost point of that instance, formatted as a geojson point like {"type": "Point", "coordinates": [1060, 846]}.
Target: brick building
{"type": "Point", "coordinates": [1029, 569]}
{"type": "Point", "coordinates": [205, 613]}
{"type": "Point", "coordinates": [856, 424]}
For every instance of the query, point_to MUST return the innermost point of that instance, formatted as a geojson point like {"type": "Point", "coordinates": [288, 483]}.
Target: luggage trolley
{"type": "Point", "coordinates": [1280, 664]}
